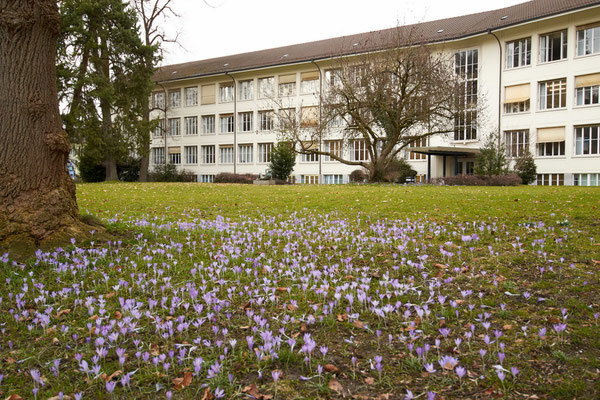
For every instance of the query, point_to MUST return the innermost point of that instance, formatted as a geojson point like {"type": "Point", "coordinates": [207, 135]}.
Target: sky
{"type": "Point", "coordinates": [215, 28]}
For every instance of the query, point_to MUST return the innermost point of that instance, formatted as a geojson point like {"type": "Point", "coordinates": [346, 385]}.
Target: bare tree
{"type": "Point", "coordinates": [37, 196]}
{"type": "Point", "coordinates": [377, 104]}
{"type": "Point", "coordinates": [152, 15]}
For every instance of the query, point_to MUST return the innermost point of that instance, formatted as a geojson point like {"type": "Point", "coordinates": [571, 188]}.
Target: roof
{"type": "Point", "coordinates": [426, 33]}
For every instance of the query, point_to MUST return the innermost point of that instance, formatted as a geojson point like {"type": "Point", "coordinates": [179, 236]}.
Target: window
{"type": "Point", "coordinates": [586, 140]}
{"type": "Point", "coordinates": [226, 123]}
{"type": "Point", "coordinates": [551, 149]}
{"type": "Point", "coordinates": [265, 120]}
{"type": "Point", "coordinates": [551, 179]}
{"type": "Point", "coordinates": [191, 96]}
{"type": "Point", "coordinates": [332, 78]}
{"type": "Point", "coordinates": [310, 157]}
{"type": "Point", "coordinates": [245, 153]}
{"type": "Point", "coordinates": [553, 46]}
{"type": "Point", "coordinates": [466, 66]}
{"type": "Point", "coordinates": [309, 82]}
{"type": "Point", "coordinates": [287, 85]}
{"type": "Point", "coordinates": [246, 90]}
{"type": "Point", "coordinates": [587, 89]}
{"type": "Point", "coordinates": [158, 100]}
{"type": "Point", "coordinates": [158, 155]}
{"type": "Point", "coordinates": [191, 154]}
{"type": "Point", "coordinates": [518, 53]}
{"type": "Point", "coordinates": [588, 39]}
{"type": "Point", "coordinates": [191, 125]}
{"type": "Point", "coordinates": [175, 155]}
{"type": "Point", "coordinates": [422, 142]}
{"type": "Point", "coordinates": [226, 92]}
{"type": "Point", "coordinates": [309, 116]}
{"type": "Point", "coordinates": [359, 150]}
{"type": "Point", "coordinates": [265, 87]}
{"type": "Point", "coordinates": [226, 154]}
{"type": "Point", "coordinates": [174, 126]}
{"type": "Point", "coordinates": [264, 152]}
{"type": "Point", "coordinates": [517, 142]}
{"type": "Point", "coordinates": [553, 94]}
{"type": "Point", "coordinates": [160, 128]}
{"type": "Point", "coordinates": [245, 121]}
{"type": "Point", "coordinates": [208, 94]}
{"type": "Point", "coordinates": [309, 179]}
{"type": "Point", "coordinates": [207, 178]}
{"type": "Point", "coordinates": [208, 154]}
{"type": "Point", "coordinates": [175, 98]}
{"type": "Point", "coordinates": [516, 98]}
{"type": "Point", "coordinates": [334, 147]}
{"type": "Point", "coordinates": [586, 179]}
{"type": "Point", "coordinates": [336, 179]}
{"type": "Point", "coordinates": [208, 124]}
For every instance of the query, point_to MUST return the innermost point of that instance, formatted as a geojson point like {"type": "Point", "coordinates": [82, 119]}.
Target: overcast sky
{"type": "Point", "coordinates": [214, 28]}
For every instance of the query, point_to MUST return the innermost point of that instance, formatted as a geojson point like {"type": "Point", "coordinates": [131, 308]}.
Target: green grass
{"type": "Point", "coordinates": [280, 253]}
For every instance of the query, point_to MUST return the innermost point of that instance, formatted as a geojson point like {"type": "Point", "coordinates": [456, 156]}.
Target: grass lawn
{"type": "Point", "coordinates": [312, 292]}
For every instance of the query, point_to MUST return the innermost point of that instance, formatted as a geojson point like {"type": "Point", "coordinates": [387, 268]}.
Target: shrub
{"type": "Point", "coordinates": [358, 176]}
{"type": "Point", "coordinates": [129, 170]}
{"type": "Point", "coordinates": [525, 168]}
{"type": "Point", "coordinates": [227, 177]}
{"type": "Point", "coordinates": [169, 173]}
{"type": "Point", "coordinates": [398, 170]}
{"type": "Point", "coordinates": [283, 159]}
{"type": "Point", "coordinates": [491, 160]}
{"type": "Point", "coordinates": [90, 169]}
{"type": "Point", "coordinates": [481, 180]}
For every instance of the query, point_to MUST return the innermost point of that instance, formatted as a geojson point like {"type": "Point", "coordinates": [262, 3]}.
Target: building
{"type": "Point", "coordinates": [536, 65]}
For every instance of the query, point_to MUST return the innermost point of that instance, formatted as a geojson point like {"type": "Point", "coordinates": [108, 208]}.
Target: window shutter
{"type": "Point", "coordinates": [291, 78]}
{"type": "Point", "coordinates": [517, 93]}
{"type": "Point", "coordinates": [547, 135]}
{"type": "Point", "coordinates": [310, 76]}
{"type": "Point", "coordinates": [208, 94]}
{"type": "Point", "coordinates": [175, 150]}
{"type": "Point", "coordinates": [587, 80]}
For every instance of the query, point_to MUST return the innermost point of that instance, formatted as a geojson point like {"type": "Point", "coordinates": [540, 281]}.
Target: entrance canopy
{"type": "Point", "coordinates": [445, 151]}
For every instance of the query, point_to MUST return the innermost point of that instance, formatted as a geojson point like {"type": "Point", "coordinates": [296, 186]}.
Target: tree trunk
{"type": "Point", "coordinates": [37, 195]}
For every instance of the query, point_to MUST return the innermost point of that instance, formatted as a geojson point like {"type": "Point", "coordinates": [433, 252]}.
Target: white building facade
{"type": "Point", "coordinates": [535, 68]}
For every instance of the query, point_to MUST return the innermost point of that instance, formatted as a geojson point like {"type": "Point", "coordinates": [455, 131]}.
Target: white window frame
{"type": "Point", "coordinates": [191, 154]}
{"type": "Point", "coordinates": [336, 150]}
{"type": "Point", "coordinates": [266, 87]}
{"type": "Point", "coordinates": [556, 90]}
{"type": "Point", "coordinates": [160, 129]}
{"type": "Point", "coordinates": [333, 179]}
{"type": "Point", "coordinates": [587, 95]}
{"type": "Point", "coordinates": [175, 98]}
{"type": "Point", "coordinates": [588, 41]}
{"type": "Point", "coordinates": [226, 123]}
{"type": "Point", "coordinates": [551, 149]}
{"type": "Point", "coordinates": [158, 100]}
{"type": "Point", "coordinates": [246, 121]}
{"type": "Point", "coordinates": [518, 53]}
{"type": "Point", "coordinates": [265, 120]}
{"type": "Point", "coordinates": [246, 90]}
{"type": "Point", "coordinates": [264, 152]}
{"type": "Point", "coordinates": [245, 153]}
{"type": "Point", "coordinates": [226, 154]}
{"type": "Point", "coordinates": [175, 158]}
{"type": "Point", "coordinates": [516, 142]}
{"type": "Point", "coordinates": [191, 96]}
{"type": "Point", "coordinates": [191, 125]}
{"type": "Point", "coordinates": [359, 150]}
{"type": "Point", "coordinates": [465, 125]}
{"type": "Point", "coordinates": [174, 126]}
{"type": "Point", "coordinates": [587, 140]}
{"type": "Point", "coordinates": [208, 124]}
{"type": "Point", "coordinates": [208, 154]}
{"type": "Point", "coordinates": [587, 179]}
{"type": "Point", "coordinates": [226, 92]}
{"type": "Point", "coordinates": [158, 155]}
{"type": "Point", "coordinates": [287, 89]}
{"type": "Point", "coordinates": [547, 50]}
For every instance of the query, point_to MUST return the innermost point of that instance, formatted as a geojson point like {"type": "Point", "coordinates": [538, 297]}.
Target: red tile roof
{"type": "Point", "coordinates": [425, 32]}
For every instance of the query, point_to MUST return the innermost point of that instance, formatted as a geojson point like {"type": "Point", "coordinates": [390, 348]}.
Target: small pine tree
{"type": "Point", "coordinates": [283, 160]}
{"type": "Point", "coordinates": [525, 167]}
{"type": "Point", "coordinates": [491, 160]}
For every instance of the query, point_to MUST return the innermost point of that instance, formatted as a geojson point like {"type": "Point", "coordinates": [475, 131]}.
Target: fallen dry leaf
{"type": "Point", "coordinates": [107, 378]}
{"type": "Point", "coordinates": [358, 324]}
{"type": "Point", "coordinates": [63, 312]}
{"type": "Point", "coordinates": [109, 295]}
{"type": "Point", "coordinates": [342, 317]}
{"type": "Point", "coordinates": [118, 315]}
{"type": "Point", "coordinates": [207, 395]}
{"type": "Point", "coordinates": [331, 368]}
{"type": "Point", "coordinates": [14, 396]}
{"type": "Point", "coordinates": [336, 386]}
{"type": "Point", "coordinates": [185, 381]}
{"type": "Point", "coordinates": [440, 266]}
{"type": "Point", "coordinates": [369, 380]}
